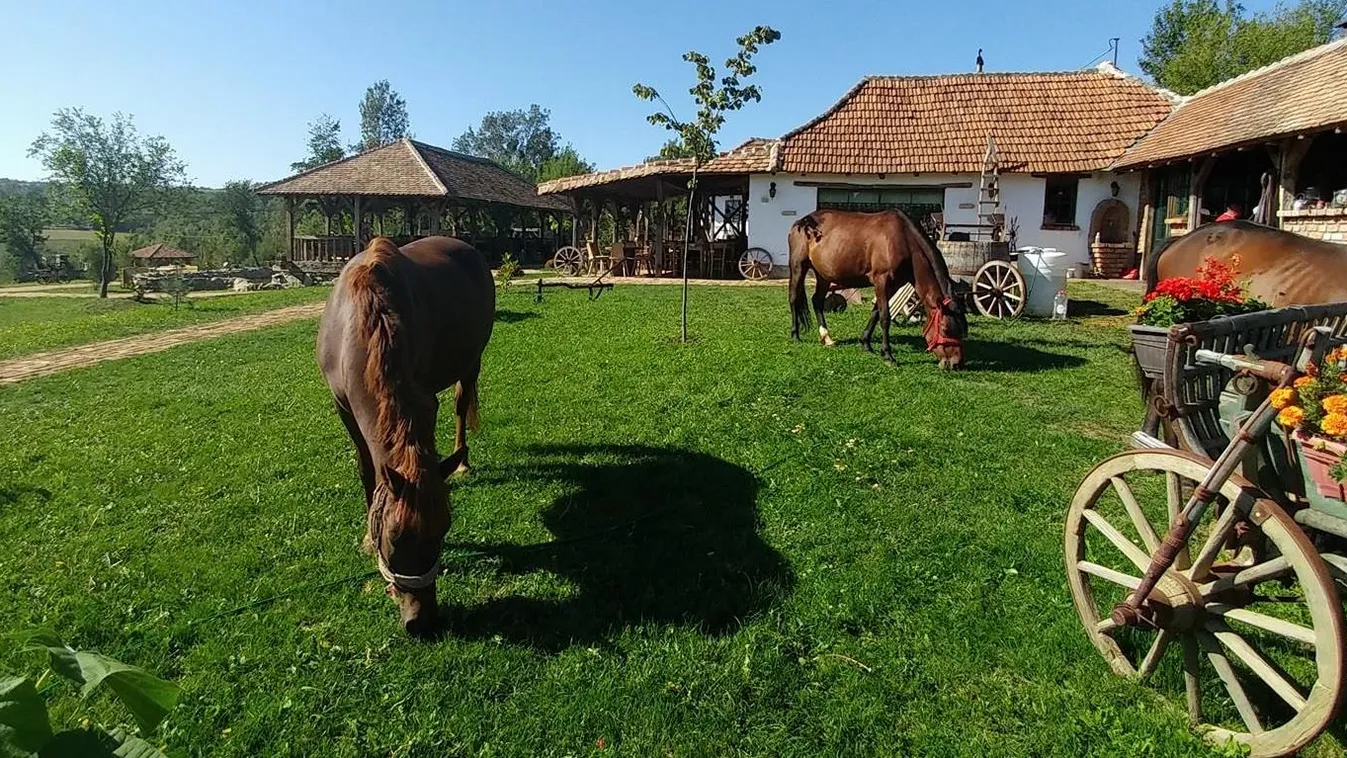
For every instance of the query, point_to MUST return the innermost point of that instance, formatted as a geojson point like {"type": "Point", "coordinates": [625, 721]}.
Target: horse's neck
{"type": "Point", "coordinates": [925, 276]}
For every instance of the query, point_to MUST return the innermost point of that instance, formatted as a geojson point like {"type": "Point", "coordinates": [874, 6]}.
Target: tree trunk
{"type": "Point", "coordinates": [105, 273]}
{"type": "Point", "coordinates": [687, 241]}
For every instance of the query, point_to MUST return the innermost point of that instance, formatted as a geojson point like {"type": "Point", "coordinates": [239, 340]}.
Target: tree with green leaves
{"type": "Point", "coordinates": [324, 144]}
{"type": "Point", "coordinates": [383, 117]}
{"type": "Point", "coordinates": [714, 97]}
{"type": "Point", "coordinates": [108, 172]}
{"type": "Point", "coordinates": [565, 163]}
{"type": "Point", "coordinates": [672, 149]}
{"type": "Point", "coordinates": [1194, 44]}
{"type": "Point", "coordinates": [23, 222]}
{"type": "Point", "coordinates": [240, 216]}
{"type": "Point", "coordinates": [520, 140]}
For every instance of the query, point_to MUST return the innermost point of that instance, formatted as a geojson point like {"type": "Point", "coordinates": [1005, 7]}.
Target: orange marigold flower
{"type": "Point", "coordinates": [1283, 397]}
{"type": "Point", "coordinates": [1334, 424]}
{"type": "Point", "coordinates": [1291, 416]}
{"type": "Point", "coordinates": [1335, 404]}
{"type": "Point", "coordinates": [1304, 382]}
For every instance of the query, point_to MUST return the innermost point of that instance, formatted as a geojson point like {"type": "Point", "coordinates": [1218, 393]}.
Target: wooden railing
{"type": "Point", "coordinates": [324, 248]}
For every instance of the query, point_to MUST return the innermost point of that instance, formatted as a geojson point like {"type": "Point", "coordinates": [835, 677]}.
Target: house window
{"type": "Point", "coordinates": [1059, 202]}
{"type": "Point", "coordinates": [917, 202]}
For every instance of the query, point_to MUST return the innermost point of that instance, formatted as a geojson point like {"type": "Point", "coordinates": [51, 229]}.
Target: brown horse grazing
{"type": "Point", "coordinates": [399, 327]}
{"type": "Point", "coordinates": [884, 250]}
{"type": "Point", "coordinates": [1282, 268]}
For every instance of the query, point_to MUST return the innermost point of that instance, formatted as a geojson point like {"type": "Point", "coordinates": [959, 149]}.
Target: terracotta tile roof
{"type": "Point", "coordinates": [752, 157]}
{"type": "Point", "coordinates": [408, 168]}
{"type": "Point", "coordinates": [1043, 122]}
{"type": "Point", "coordinates": [1300, 93]}
{"type": "Point", "coordinates": [161, 252]}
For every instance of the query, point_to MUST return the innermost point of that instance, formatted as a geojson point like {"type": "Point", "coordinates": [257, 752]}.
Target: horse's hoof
{"type": "Point", "coordinates": [888, 358]}
{"type": "Point", "coordinates": [463, 469]}
{"type": "Point", "coordinates": [867, 347]}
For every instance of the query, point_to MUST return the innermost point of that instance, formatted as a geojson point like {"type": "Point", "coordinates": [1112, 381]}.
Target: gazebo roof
{"type": "Point", "coordinates": [161, 252]}
{"type": "Point", "coordinates": [753, 156]}
{"type": "Point", "coordinates": [410, 169]}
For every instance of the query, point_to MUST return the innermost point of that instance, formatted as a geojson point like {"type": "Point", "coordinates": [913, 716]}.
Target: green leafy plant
{"type": "Point", "coordinates": [509, 268]}
{"type": "Point", "coordinates": [26, 729]}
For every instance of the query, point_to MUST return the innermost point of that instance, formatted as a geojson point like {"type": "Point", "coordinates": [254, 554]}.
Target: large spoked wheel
{"type": "Point", "coordinates": [1249, 602]}
{"type": "Point", "coordinates": [755, 264]}
{"type": "Point", "coordinates": [998, 290]}
{"type": "Point", "coordinates": [568, 260]}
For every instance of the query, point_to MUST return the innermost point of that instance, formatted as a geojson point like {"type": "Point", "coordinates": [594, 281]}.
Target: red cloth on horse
{"type": "Point", "coordinates": [1228, 216]}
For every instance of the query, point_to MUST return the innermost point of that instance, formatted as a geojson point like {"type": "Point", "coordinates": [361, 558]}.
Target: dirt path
{"type": "Point", "coordinates": [56, 361]}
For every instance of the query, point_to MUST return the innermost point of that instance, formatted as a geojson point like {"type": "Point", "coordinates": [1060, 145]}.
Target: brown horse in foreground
{"type": "Point", "coordinates": [884, 250]}
{"type": "Point", "coordinates": [399, 327]}
{"type": "Point", "coordinates": [1282, 268]}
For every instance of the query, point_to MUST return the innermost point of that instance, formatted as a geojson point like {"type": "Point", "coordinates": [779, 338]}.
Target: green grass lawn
{"type": "Point", "coordinates": [34, 324]}
{"type": "Point", "coordinates": [830, 556]}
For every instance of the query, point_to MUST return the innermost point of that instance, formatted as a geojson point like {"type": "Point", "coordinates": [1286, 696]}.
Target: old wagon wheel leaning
{"type": "Point", "coordinates": [998, 290]}
{"type": "Point", "coordinates": [1249, 602]}
{"type": "Point", "coordinates": [568, 260]}
{"type": "Point", "coordinates": [755, 264]}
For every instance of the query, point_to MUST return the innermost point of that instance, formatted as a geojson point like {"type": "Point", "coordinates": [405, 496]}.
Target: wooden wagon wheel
{"type": "Point", "coordinates": [998, 290]}
{"type": "Point", "coordinates": [1250, 596]}
{"type": "Point", "coordinates": [755, 264]}
{"type": "Point", "coordinates": [568, 260]}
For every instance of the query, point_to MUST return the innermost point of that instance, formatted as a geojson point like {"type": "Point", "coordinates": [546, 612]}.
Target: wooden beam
{"type": "Point", "coordinates": [1292, 152]}
{"type": "Point", "coordinates": [1195, 192]}
{"type": "Point", "coordinates": [290, 227]}
{"type": "Point", "coordinates": [356, 217]}
{"type": "Point", "coordinates": [905, 187]}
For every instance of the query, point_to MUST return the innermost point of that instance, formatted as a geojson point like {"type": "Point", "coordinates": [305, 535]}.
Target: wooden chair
{"type": "Point", "coordinates": [618, 259]}
{"type": "Point", "coordinates": [645, 257]}
{"type": "Point", "coordinates": [596, 261]}
{"type": "Point", "coordinates": [717, 256]}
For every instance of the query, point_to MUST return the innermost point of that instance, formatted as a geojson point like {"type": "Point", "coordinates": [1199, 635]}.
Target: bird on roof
{"type": "Point", "coordinates": [979, 60]}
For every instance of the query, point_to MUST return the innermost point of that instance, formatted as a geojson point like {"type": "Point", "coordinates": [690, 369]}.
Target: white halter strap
{"type": "Point", "coordinates": [405, 581]}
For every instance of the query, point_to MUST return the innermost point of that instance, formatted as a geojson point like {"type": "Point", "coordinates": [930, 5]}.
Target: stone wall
{"type": "Point", "coordinates": [1320, 223]}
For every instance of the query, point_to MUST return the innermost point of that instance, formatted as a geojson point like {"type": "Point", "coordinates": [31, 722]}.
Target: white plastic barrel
{"type": "Point", "coordinates": [1044, 271]}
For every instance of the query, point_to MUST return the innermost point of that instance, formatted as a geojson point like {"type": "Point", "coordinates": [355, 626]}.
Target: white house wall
{"type": "Point", "coordinates": [770, 218]}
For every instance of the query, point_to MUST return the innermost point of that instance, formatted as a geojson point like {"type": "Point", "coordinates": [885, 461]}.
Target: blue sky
{"type": "Point", "coordinates": [233, 84]}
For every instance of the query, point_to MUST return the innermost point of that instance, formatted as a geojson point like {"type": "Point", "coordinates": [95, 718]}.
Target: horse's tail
{"type": "Point", "coordinates": [1153, 263]}
{"type": "Point", "coordinates": [468, 388]}
{"type": "Point", "coordinates": [799, 266]}
{"type": "Point", "coordinates": [374, 287]}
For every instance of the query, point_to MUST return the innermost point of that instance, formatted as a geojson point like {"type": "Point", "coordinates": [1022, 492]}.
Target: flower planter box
{"type": "Point", "coordinates": [1149, 344]}
{"type": "Point", "coordinates": [1319, 456]}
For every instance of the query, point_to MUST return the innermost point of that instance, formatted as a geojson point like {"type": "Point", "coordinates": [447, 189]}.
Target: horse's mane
{"type": "Point", "coordinates": [932, 253]}
{"type": "Point", "coordinates": [378, 293]}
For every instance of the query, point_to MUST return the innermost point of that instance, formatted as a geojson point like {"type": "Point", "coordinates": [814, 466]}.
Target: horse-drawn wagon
{"type": "Point", "coordinates": [1209, 563]}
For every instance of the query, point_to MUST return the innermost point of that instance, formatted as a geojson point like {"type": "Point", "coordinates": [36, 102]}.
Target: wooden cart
{"type": "Point", "coordinates": [986, 274]}
{"type": "Point", "coordinates": [1208, 566]}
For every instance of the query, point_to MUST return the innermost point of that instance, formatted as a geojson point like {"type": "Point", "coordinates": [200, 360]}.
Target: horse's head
{"type": "Point", "coordinates": [945, 331]}
{"type": "Point", "coordinates": [407, 523]}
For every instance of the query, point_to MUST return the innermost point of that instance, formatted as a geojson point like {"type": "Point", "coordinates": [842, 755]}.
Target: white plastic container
{"type": "Point", "coordinates": [1044, 270]}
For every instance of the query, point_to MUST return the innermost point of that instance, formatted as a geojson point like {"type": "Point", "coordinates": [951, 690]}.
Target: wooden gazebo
{"type": "Point", "coordinates": [408, 189]}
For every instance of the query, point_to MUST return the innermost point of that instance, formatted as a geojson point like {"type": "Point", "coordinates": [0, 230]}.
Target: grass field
{"type": "Point", "coordinates": [814, 553]}
{"type": "Point", "coordinates": [34, 324]}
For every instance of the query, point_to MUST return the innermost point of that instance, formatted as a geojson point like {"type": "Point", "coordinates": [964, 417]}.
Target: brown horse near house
{"type": "Point", "coordinates": [884, 250]}
{"type": "Point", "coordinates": [1282, 268]}
{"type": "Point", "coordinates": [400, 327]}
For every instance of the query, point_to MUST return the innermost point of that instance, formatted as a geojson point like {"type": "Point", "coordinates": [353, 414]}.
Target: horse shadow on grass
{"type": "Point", "coordinates": [646, 535]}
{"type": "Point", "coordinates": [510, 317]}
{"type": "Point", "coordinates": [1090, 308]}
{"type": "Point", "coordinates": [979, 355]}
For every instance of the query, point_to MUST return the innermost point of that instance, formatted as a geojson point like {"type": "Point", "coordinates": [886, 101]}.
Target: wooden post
{"type": "Point", "coordinates": [1146, 225]}
{"type": "Point", "coordinates": [436, 217]}
{"type": "Point", "coordinates": [1288, 169]}
{"type": "Point", "coordinates": [356, 225]}
{"type": "Point", "coordinates": [290, 227]}
{"type": "Point", "coordinates": [1195, 192]}
{"type": "Point", "coordinates": [661, 227]}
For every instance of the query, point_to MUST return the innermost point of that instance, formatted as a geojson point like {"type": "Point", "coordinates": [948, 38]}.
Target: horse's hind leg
{"type": "Point", "coordinates": [821, 297]}
{"type": "Point", "coordinates": [363, 459]}
{"type": "Point", "coordinates": [465, 413]}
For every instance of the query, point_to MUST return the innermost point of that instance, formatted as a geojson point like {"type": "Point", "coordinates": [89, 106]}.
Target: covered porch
{"type": "Point", "coordinates": [634, 220]}
{"type": "Point", "coordinates": [407, 190]}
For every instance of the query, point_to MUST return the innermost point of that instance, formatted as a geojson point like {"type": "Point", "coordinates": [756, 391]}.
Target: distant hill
{"type": "Point", "coordinates": [21, 187]}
